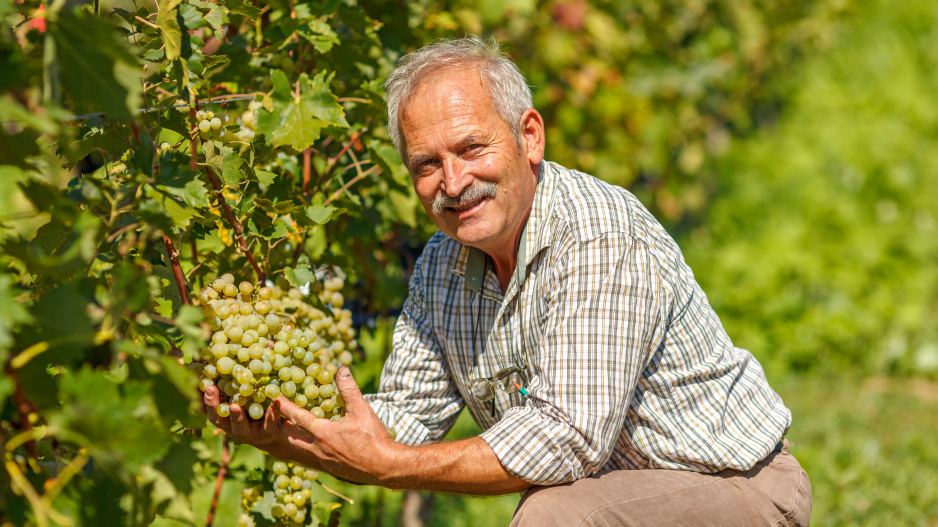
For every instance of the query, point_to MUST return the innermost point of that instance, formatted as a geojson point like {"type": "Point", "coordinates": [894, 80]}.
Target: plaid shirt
{"type": "Point", "coordinates": [629, 366]}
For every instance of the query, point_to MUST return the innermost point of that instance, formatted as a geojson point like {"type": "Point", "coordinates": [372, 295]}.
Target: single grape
{"type": "Point", "coordinates": [215, 123]}
{"type": "Point", "coordinates": [225, 365]}
{"type": "Point", "coordinates": [205, 126]}
{"type": "Point", "coordinates": [224, 410]}
{"type": "Point", "coordinates": [256, 411]}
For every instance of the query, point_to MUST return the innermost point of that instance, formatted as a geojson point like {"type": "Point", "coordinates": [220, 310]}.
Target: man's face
{"type": "Point", "coordinates": [472, 177]}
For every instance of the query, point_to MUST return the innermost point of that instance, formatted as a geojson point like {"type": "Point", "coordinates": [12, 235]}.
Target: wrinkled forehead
{"type": "Point", "coordinates": [443, 80]}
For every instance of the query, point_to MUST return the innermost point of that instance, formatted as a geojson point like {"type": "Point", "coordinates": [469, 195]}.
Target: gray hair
{"type": "Point", "coordinates": [509, 93]}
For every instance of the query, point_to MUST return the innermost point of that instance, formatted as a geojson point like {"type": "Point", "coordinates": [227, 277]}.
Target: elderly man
{"type": "Point", "coordinates": [559, 311]}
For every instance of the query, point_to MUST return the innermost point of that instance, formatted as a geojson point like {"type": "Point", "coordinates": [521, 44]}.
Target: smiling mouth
{"type": "Point", "coordinates": [467, 206]}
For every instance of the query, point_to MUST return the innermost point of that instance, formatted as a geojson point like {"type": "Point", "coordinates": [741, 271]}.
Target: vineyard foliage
{"type": "Point", "coordinates": [115, 207]}
{"type": "Point", "coordinates": [147, 149]}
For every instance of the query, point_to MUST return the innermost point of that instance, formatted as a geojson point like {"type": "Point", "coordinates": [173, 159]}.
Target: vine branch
{"type": "Point", "coordinates": [219, 480]}
{"type": "Point", "coordinates": [177, 270]}
{"type": "Point", "coordinates": [222, 202]}
{"type": "Point", "coordinates": [235, 226]}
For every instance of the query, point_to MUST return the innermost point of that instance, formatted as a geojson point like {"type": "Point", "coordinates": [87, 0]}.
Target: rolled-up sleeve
{"type": "Point", "coordinates": [416, 399]}
{"type": "Point", "coordinates": [603, 319]}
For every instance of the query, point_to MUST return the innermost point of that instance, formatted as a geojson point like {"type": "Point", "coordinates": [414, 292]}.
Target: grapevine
{"type": "Point", "coordinates": [154, 151]}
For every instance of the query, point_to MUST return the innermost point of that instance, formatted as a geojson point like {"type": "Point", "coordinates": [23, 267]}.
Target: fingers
{"type": "Point", "coordinates": [303, 418]}
{"type": "Point", "coordinates": [212, 399]}
{"type": "Point", "coordinates": [240, 425]}
{"type": "Point", "coordinates": [351, 393]}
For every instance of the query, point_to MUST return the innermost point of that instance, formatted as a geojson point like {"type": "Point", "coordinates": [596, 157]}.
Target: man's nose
{"type": "Point", "coordinates": [456, 176]}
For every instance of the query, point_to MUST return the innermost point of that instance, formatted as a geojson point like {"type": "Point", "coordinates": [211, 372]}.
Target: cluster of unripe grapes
{"type": "Point", "coordinates": [211, 126]}
{"type": "Point", "coordinates": [292, 487]}
{"type": "Point", "coordinates": [267, 342]}
{"type": "Point", "coordinates": [284, 62]}
{"type": "Point", "coordinates": [248, 122]}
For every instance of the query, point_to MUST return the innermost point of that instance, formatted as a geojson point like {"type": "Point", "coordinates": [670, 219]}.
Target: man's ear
{"type": "Point", "coordinates": [532, 135]}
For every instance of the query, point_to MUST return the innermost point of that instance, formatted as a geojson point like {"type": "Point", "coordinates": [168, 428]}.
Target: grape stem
{"type": "Point", "coordinates": [351, 142]}
{"type": "Point", "coordinates": [235, 226]}
{"type": "Point", "coordinates": [351, 182]}
{"type": "Point", "coordinates": [307, 168]}
{"type": "Point", "coordinates": [219, 480]}
{"type": "Point", "coordinates": [177, 270]}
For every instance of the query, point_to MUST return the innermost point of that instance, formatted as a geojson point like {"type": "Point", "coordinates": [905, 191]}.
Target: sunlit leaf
{"type": "Point", "coordinates": [296, 120]}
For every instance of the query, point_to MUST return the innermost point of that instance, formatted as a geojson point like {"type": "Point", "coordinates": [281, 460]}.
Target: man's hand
{"type": "Point", "coordinates": [357, 447]}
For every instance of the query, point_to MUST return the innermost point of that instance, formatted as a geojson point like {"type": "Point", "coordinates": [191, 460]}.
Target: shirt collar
{"type": "Point", "coordinates": [471, 263]}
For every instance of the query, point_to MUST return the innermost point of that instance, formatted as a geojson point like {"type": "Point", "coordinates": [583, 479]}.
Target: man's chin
{"type": "Point", "coordinates": [471, 235]}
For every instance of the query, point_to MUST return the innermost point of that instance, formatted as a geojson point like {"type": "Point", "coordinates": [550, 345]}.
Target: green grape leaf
{"type": "Point", "coordinates": [322, 511]}
{"type": "Point", "coordinates": [95, 66]}
{"type": "Point", "coordinates": [264, 505]}
{"type": "Point", "coordinates": [177, 465]}
{"type": "Point", "coordinates": [187, 322]}
{"type": "Point", "coordinates": [214, 60]}
{"type": "Point", "coordinates": [321, 215]}
{"type": "Point", "coordinates": [242, 7]}
{"type": "Point", "coordinates": [319, 34]}
{"type": "Point", "coordinates": [12, 311]}
{"type": "Point", "coordinates": [143, 155]}
{"type": "Point", "coordinates": [405, 206]}
{"type": "Point", "coordinates": [169, 27]}
{"type": "Point", "coordinates": [215, 15]}
{"type": "Point", "coordinates": [386, 157]}
{"type": "Point", "coordinates": [60, 316]}
{"type": "Point", "coordinates": [264, 177]}
{"type": "Point", "coordinates": [226, 162]}
{"type": "Point", "coordinates": [177, 193]}
{"type": "Point", "coordinates": [114, 422]}
{"type": "Point", "coordinates": [299, 276]}
{"type": "Point", "coordinates": [262, 226]}
{"type": "Point", "coordinates": [191, 17]}
{"type": "Point", "coordinates": [16, 148]}
{"type": "Point", "coordinates": [298, 120]}
{"type": "Point", "coordinates": [6, 385]}
{"type": "Point", "coordinates": [264, 204]}
{"type": "Point", "coordinates": [284, 207]}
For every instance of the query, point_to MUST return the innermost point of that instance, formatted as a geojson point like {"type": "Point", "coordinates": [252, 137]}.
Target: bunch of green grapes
{"type": "Point", "coordinates": [267, 343]}
{"type": "Point", "coordinates": [211, 125]}
{"type": "Point", "coordinates": [292, 487]}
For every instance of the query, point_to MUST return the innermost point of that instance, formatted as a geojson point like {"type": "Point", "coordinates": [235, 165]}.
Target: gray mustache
{"type": "Point", "coordinates": [476, 191]}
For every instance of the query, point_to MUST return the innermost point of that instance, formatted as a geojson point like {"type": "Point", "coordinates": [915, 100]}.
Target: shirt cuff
{"type": "Point", "coordinates": [530, 447]}
{"type": "Point", "coordinates": [408, 430]}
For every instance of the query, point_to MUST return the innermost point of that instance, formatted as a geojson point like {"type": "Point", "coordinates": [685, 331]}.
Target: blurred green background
{"type": "Point", "coordinates": [791, 147]}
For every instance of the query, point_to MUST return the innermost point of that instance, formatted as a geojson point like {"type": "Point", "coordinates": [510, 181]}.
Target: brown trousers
{"type": "Point", "coordinates": [776, 492]}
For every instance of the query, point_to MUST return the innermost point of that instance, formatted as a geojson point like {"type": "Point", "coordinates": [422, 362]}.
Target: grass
{"type": "Point", "coordinates": [869, 447]}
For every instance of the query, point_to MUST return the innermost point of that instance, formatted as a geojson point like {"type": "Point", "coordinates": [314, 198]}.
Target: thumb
{"type": "Point", "coordinates": [298, 415]}
{"type": "Point", "coordinates": [349, 390]}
